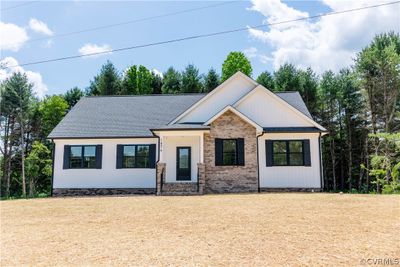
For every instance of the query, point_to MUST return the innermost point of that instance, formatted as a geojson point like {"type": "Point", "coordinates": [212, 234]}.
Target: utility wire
{"type": "Point", "coordinates": [128, 22]}
{"type": "Point", "coordinates": [16, 6]}
{"type": "Point", "coordinates": [201, 35]}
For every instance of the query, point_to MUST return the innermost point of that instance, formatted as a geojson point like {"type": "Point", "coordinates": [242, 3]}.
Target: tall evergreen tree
{"type": "Point", "coordinates": [156, 83]}
{"type": "Point", "coordinates": [286, 78]}
{"type": "Point", "coordinates": [191, 81]}
{"type": "Point", "coordinates": [72, 96]}
{"type": "Point", "coordinates": [308, 85]}
{"type": "Point", "coordinates": [266, 80]}
{"type": "Point", "coordinates": [328, 111]}
{"type": "Point", "coordinates": [172, 81]}
{"type": "Point", "coordinates": [211, 80]}
{"type": "Point", "coordinates": [21, 97]}
{"type": "Point", "coordinates": [355, 131]}
{"type": "Point", "coordinates": [107, 82]}
{"type": "Point", "coordinates": [378, 67]}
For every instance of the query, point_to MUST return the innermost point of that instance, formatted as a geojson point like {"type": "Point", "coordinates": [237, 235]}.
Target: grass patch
{"type": "Point", "coordinates": [248, 229]}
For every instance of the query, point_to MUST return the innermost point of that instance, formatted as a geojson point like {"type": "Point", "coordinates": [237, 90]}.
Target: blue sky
{"type": "Point", "coordinates": [328, 43]}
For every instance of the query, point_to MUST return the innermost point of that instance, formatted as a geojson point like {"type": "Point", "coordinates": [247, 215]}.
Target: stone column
{"type": "Point", "coordinates": [160, 176]}
{"type": "Point", "coordinates": [201, 168]}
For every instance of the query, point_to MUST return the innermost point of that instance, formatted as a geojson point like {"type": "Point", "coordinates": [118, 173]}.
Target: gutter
{"type": "Point", "coordinates": [258, 162]}
{"type": "Point", "coordinates": [52, 166]}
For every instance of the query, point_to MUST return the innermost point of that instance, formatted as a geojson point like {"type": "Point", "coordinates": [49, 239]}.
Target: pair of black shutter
{"type": "Point", "coordinates": [67, 155]}
{"type": "Point", "coordinates": [219, 151]}
{"type": "Point", "coordinates": [269, 152]}
{"type": "Point", "coordinates": [152, 156]}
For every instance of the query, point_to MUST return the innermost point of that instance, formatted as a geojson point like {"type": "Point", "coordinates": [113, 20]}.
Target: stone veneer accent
{"type": "Point", "coordinates": [182, 188]}
{"type": "Point", "coordinates": [231, 179]}
{"type": "Point", "coordinates": [61, 192]}
{"type": "Point", "coordinates": [161, 169]}
{"type": "Point", "coordinates": [201, 169]}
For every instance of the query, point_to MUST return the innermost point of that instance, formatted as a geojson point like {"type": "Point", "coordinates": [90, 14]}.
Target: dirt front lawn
{"type": "Point", "coordinates": [250, 229]}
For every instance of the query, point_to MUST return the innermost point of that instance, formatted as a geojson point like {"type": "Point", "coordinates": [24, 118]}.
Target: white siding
{"type": "Point", "coordinates": [267, 112]}
{"type": "Point", "coordinates": [226, 95]}
{"type": "Point", "coordinates": [290, 176]}
{"type": "Point", "coordinates": [106, 177]}
{"type": "Point", "coordinates": [169, 145]}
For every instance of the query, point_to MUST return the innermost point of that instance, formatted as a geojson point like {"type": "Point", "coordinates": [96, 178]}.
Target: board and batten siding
{"type": "Point", "coordinates": [290, 176]}
{"type": "Point", "coordinates": [220, 98]}
{"type": "Point", "coordinates": [268, 112]}
{"type": "Point", "coordinates": [169, 145]}
{"type": "Point", "coordinates": [108, 176]}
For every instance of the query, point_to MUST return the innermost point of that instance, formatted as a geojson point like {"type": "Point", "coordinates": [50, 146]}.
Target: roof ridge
{"type": "Point", "coordinates": [184, 94]}
{"type": "Point", "coordinates": [285, 92]}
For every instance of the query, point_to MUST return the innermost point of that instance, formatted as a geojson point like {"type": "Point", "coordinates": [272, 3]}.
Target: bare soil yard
{"type": "Point", "coordinates": [217, 230]}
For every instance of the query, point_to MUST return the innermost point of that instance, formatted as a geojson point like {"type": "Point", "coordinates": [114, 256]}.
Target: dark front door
{"type": "Point", "coordinates": [183, 162]}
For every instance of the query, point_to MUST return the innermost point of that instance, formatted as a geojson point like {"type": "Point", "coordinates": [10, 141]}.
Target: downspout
{"type": "Point", "coordinates": [321, 175]}
{"type": "Point", "coordinates": [52, 167]}
{"type": "Point", "coordinates": [158, 158]}
{"type": "Point", "coordinates": [258, 163]}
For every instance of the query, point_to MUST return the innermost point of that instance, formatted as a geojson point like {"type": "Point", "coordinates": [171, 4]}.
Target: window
{"type": "Point", "coordinates": [288, 153]}
{"type": "Point", "coordinates": [82, 157]}
{"type": "Point", "coordinates": [135, 156]}
{"type": "Point", "coordinates": [229, 152]}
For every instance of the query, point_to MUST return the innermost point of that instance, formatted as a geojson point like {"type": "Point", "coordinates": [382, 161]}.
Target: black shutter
{"type": "Point", "coordinates": [67, 152]}
{"type": "Point", "coordinates": [269, 152]}
{"type": "Point", "coordinates": [218, 152]}
{"type": "Point", "coordinates": [306, 149]}
{"type": "Point", "coordinates": [240, 151]}
{"type": "Point", "coordinates": [99, 156]}
{"type": "Point", "coordinates": [120, 152]}
{"type": "Point", "coordinates": [152, 156]}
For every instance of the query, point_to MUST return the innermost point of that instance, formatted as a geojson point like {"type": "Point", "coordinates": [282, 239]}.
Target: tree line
{"type": "Point", "coordinates": [359, 105]}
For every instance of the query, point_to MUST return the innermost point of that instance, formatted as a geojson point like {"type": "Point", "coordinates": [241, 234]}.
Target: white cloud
{"type": "Point", "coordinates": [250, 52]}
{"type": "Point", "coordinates": [40, 27]}
{"type": "Point", "coordinates": [89, 48]}
{"type": "Point", "coordinates": [330, 42]}
{"type": "Point", "coordinates": [157, 72]}
{"type": "Point", "coordinates": [265, 59]}
{"type": "Point", "coordinates": [39, 87]}
{"type": "Point", "coordinates": [12, 36]}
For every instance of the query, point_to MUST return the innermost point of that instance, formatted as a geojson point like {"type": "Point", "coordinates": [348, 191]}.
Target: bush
{"type": "Point", "coordinates": [392, 188]}
{"type": "Point", "coordinates": [42, 195]}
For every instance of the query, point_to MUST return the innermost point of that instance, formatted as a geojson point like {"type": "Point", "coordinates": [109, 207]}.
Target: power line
{"type": "Point", "coordinates": [16, 6]}
{"type": "Point", "coordinates": [202, 35]}
{"type": "Point", "coordinates": [127, 22]}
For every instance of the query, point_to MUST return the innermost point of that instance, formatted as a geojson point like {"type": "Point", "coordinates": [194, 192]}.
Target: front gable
{"type": "Point", "coordinates": [269, 110]}
{"type": "Point", "coordinates": [225, 94]}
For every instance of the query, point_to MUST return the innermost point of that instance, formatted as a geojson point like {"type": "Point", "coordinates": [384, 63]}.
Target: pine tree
{"type": "Point", "coordinates": [191, 82]}
{"type": "Point", "coordinates": [171, 81]}
{"type": "Point", "coordinates": [266, 80]}
{"type": "Point", "coordinates": [211, 81]}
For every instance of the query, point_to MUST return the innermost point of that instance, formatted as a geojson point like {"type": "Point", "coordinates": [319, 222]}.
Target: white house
{"type": "Point", "coordinates": [240, 137]}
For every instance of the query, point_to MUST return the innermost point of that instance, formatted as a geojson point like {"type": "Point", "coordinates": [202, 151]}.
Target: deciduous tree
{"type": "Point", "coordinates": [234, 62]}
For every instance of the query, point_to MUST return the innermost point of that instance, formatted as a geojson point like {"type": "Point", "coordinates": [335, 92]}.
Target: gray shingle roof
{"type": "Point", "coordinates": [121, 116]}
{"type": "Point", "coordinates": [294, 99]}
{"type": "Point", "coordinates": [135, 116]}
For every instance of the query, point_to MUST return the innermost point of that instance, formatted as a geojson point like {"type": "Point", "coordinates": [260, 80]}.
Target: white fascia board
{"type": "Point", "coordinates": [234, 76]}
